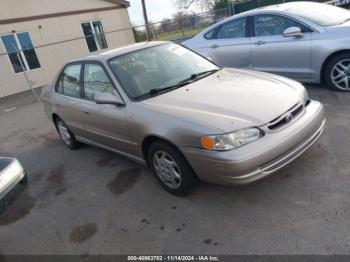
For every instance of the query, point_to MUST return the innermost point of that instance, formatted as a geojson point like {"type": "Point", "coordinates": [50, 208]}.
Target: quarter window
{"type": "Point", "coordinates": [96, 81]}
{"type": "Point", "coordinates": [69, 82]}
{"type": "Point", "coordinates": [269, 25]}
{"type": "Point", "coordinates": [94, 35]}
{"type": "Point", "coordinates": [210, 34]}
{"type": "Point", "coordinates": [232, 29]}
{"type": "Point", "coordinates": [21, 52]}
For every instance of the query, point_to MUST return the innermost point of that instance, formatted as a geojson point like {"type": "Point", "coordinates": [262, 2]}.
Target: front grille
{"type": "Point", "coordinates": [286, 118]}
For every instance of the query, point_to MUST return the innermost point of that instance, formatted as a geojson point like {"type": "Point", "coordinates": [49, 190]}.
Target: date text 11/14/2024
{"type": "Point", "coordinates": [173, 258]}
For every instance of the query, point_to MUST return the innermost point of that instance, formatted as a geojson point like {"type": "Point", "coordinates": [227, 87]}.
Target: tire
{"type": "Point", "coordinates": [70, 142]}
{"type": "Point", "coordinates": [332, 72]}
{"type": "Point", "coordinates": [186, 179]}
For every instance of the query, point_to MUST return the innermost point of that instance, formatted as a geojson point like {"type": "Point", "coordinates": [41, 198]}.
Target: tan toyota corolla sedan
{"type": "Point", "coordinates": [160, 104]}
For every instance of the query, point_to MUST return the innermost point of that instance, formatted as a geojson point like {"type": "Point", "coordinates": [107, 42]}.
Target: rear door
{"type": "Point", "coordinates": [67, 101]}
{"type": "Point", "coordinates": [272, 52]}
{"type": "Point", "coordinates": [106, 125]}
{"type": "Point", "coordinates": [229, 44]}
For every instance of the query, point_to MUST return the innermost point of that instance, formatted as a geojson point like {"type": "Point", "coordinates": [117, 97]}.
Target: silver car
{"type": "Point", "coordinates": [163, 105]}
{"type": "Point", "coordinates": [11, 173]}
{"type": "Point", "coordinates": [306, 41]}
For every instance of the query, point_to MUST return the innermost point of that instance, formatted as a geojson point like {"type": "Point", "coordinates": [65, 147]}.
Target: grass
{"type": "Point", "coordinates": [179, 34]}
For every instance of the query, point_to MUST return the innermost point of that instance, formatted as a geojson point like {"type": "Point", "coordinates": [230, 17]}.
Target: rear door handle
{"type": "Point", "coordinates": [214, 46]}
{"type": "Point", "coordinates": [260, 43]}
{"type": "Point", "coordinates": [86, 112]}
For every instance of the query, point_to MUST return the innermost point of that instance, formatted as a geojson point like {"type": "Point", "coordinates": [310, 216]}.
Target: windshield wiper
{"type": "Point", "coordinates": [197, 75]}
{"type": "Point", "coordinates": [156, 91]}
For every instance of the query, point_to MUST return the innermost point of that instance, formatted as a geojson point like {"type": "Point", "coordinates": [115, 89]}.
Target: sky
{"type": "Point", "coordinates": [156, 10]}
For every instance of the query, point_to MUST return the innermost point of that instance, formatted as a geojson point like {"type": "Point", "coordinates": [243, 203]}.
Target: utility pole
{"type": "Point", "coordinates": [148, 32]}
{"type": "Point", "coordinates": [232, 7]}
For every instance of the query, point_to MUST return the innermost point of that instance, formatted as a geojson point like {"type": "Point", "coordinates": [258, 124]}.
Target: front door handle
{"type": "Point", "coordinates": [86, 112]}
{"type": "Point", "coordinates": [260, 43]}
{"type": "Point", "coordinates": [214, 46]}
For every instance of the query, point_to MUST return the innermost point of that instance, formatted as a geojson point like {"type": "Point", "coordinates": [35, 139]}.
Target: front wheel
{"type": "Point", "coordinates": [337, 73]}
{"type": "Point", "coordinates": [171, 168]}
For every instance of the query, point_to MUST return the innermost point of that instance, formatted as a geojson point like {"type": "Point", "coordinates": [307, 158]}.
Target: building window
{"type": "Point", "coordinates": [94, 35]}
{"type": "Point", "coordinates": [20, 50]}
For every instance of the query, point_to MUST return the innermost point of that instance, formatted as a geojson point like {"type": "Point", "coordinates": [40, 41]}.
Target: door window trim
{"type": "Point", "coordinates": [252, 25]}
{"type": "Point", "coordinates": [217, 29]}
{"type": "Point", "coordinates": [106, 72]}
{"type": "Point", "coordinates": [80, 79]}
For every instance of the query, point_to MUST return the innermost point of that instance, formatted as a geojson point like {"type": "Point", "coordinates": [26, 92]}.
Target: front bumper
{"type": "Point", "coordinates": [262, 157]}
{"type": "Point", "coordinates": [10, 176]}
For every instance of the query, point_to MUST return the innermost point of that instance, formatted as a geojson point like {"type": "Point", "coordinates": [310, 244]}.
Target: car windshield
{"type": "Point", "coordinates": [149, 71]}
{"type": "Point", "coordinates": [320, 14]}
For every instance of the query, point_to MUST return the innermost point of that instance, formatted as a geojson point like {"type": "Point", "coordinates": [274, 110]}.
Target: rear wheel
{"type": "Point", "coordinates": [338, 73]}
{"type": "Point", "coordinates": [171, 168]}
{"type": "Point", "coordinates": [66, 135]}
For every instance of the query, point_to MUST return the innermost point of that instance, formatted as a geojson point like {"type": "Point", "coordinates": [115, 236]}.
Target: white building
{"type": "Point", "coordinates": [59, 30]}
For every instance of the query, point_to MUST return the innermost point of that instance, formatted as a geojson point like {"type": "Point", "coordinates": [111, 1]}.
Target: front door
{"type": "Point", "coordinates": [106, 125]}
{"type": "Point", "coordinates": [272, 52]}
{"type": "Point", "coordinates": [230, 46]}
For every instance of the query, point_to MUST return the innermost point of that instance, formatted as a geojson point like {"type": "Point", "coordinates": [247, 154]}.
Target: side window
{"type": "Point", "coordinates": [96, 81]}
{"type": "Point", "coordinates": [232, 29]}
{"type": "Point", "coordinates": [210, 35]}
{"type": "Point", "coordinates": [69, 81]}
{"type": "Point", "coordinates": [269, 25]}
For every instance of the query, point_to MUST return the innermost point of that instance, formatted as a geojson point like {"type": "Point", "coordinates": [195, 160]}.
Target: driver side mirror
{"type": "Point", "coordinates": [108, 99]}
{"type": "Point", "coordinates": [293, 32]}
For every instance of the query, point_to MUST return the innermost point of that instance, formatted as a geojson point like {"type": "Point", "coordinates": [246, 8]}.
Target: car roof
{"type": "Point", "coordinates": [283, 7]}
{"type": "Point", "coordinates": [103, 56]}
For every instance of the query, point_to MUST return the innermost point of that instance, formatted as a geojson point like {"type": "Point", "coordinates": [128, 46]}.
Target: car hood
{"type": "Point", "coordinates": [230, 99]}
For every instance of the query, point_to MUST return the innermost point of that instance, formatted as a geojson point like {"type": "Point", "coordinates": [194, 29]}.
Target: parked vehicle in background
{"type": "Point", "coordinates": [163, 105]}
{"type": "Point", "coordinates": [11, 173]}
{"type": "Point", "coordinates": [306, 41]}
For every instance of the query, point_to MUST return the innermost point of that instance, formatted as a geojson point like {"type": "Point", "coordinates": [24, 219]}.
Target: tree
{"type": "Point", "coordinates": [184, 20]}
{"type": "Point", "coordinates": [139, 35]}
{"type": "Point", "coordinates": [204, 4]}
{"type": "Point", "coordinates": [220, 4]}
{"type": "Point", "coordinates": [185, 4]}
{"type": "Point", "coordinates": [166, 25]}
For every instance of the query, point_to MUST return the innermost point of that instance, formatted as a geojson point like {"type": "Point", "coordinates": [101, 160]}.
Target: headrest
{"type": "Point", "coordinates": [138, 67]}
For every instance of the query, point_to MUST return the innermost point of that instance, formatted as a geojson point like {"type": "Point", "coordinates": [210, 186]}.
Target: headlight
{"type": "Point", "coordinates": [305, 96]}
{"type": "Point", "coordinates": [231, 141]}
